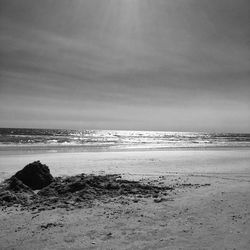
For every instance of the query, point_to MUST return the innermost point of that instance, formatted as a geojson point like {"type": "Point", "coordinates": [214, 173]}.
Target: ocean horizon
{"type": "Point", "coordinates": [105, 140]}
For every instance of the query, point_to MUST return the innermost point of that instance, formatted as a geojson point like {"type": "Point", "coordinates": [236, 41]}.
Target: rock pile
{"type": "Point", "coordinates": [35, 175]}
{"type": "Point", "coordinates": [92, 186]}
{"type": "Point", "coordinates": [74, 190]}
{"type": "Point", "coordinates": [19, 188]}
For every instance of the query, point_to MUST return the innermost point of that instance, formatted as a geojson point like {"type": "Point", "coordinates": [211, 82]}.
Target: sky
{"type": "Point", "coordinates": [171, 65]}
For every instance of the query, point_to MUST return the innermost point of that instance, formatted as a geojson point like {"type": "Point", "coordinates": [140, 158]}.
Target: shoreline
{"type": "Point", "coordinates": [131, 163]}
{"type": "Point", "coordinates": [13, 150]}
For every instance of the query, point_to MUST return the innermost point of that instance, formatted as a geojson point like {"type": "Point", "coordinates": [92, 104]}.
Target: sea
{"type": "Point", "coordinates": [56, 140]}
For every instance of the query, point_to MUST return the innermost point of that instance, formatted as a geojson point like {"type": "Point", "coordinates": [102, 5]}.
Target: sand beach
{"type": "Point", "coordinates": [208, 207]}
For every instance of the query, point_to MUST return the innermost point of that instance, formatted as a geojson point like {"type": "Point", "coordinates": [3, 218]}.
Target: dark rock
{"type": "Point", "coordinates": [77, 186]}
{"type": "Point", "coordinates": [17, 185]}
{"type": "Point", "coordinates": [35, 175]}
{"type": "Point", "coordinates": [47, 191]}
{"type": "Point", "coordinates": [7, 196]}
{"type": "Point", "coordinates": [112, 186]}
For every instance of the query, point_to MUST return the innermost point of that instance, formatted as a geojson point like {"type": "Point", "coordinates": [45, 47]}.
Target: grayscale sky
{"type": "Point", "coordinates": [173, 65]}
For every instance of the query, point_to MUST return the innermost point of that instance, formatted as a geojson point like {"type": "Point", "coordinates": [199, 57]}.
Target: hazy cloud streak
{"type": "Point", "coordinates": [126, 64]}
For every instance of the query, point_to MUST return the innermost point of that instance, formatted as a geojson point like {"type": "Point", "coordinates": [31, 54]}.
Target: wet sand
{"type": "Point", "coordinates": [131, 163]}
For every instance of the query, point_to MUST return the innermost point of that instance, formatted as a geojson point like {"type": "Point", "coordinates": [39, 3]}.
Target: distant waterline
{"type": "Point", "coordinates": [116, 139]}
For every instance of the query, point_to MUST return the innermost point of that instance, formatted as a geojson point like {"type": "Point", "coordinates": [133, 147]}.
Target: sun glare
{"type": "Point", "coordinates": [130, 16]}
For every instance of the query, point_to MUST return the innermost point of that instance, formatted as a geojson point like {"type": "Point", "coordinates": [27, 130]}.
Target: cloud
{"type": "Point", "coordinates": [114, 60]}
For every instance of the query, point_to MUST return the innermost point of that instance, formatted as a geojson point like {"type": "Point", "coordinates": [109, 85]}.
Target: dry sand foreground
{"type": "Point", "coordinates": [207, 217]}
